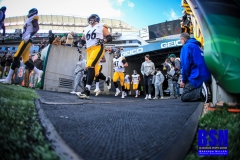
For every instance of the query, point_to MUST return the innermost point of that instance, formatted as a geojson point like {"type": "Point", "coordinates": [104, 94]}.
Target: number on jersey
{"type": "Point", "coordinates": [116, 63]}
{"type": "Point", "coordinates": [91, 35]}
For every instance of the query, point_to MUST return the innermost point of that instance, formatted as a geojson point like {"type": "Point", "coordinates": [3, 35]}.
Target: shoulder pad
{"type": "Point", "coordinates": [105, 26]}
{"type": "Point", "coordinates": [35, 17]}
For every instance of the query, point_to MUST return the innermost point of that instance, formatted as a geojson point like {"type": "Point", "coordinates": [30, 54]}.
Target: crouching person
{"type": "Point", "coordinates": [159, 78]}
{"type": "Point", "coordinates": [195, 74]}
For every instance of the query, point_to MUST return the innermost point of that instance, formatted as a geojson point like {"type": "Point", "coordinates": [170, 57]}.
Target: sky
{"type": "Point", "coordinates": [137, 13]}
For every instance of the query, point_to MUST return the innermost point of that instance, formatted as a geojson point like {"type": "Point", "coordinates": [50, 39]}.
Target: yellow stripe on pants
{"type": "Point", "coordinates": [94, 54]}
{"type": "Point", "coordinates": [24, 51]}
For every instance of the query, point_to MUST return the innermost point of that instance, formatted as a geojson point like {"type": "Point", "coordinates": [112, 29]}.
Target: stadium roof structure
{"type": "Point", "coordinates": [67, 23]}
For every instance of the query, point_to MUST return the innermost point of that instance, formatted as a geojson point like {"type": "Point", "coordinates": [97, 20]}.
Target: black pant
{"type": "Point", "coordinates": [190, 93]}
{"type": "Point", "coordinates": [148, 84]}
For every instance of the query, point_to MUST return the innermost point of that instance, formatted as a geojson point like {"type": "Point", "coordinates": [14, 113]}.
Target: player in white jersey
{"type": "Point", "coordinates": [119, 63]}
{"type": "Point", "coordinates": [127, 84]}
{"type": "Point", "coordinates": [95, 35]}
{"type": "Point", "coordinates": [30, 28]}
{"type": "Point", "coordinates": [102, 77]}
{"type": "Point", "coordinates": [135, 82]}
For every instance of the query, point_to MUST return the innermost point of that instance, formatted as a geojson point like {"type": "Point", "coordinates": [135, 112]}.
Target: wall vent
{"type": "Point", "coordinates": [65, 83]}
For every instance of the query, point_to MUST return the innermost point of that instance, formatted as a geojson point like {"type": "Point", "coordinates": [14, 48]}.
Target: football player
{"type": "Point", "coordinates": [95, 35]}
{"type": "Point", "coordinates": [30, 28]}
{"type": "Point", "coordinates": [119, 63]}
{"type": "Point", "coordinates": [102, 77]}
{"type": "Point", "coordinates": [135, 81]}
{"type": "Point", "coordinates": [127, 84]}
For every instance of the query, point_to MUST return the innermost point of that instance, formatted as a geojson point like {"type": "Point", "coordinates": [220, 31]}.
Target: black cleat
{"type": "Point", "coordinates": [108, 82]}
{"type": "Point", "coordinates": [85, 94]}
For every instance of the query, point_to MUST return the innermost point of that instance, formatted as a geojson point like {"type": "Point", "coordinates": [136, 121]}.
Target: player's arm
{"type": "Point", "coordinates": [124, 61]}
{"type": "Point", "coordinates": [35, 25]}
{"type": "Point", "coordinates": [125, 64]}
{"type": "Point", "coordinates": [103, 59]}
{"type": "Point", "coordinates": [106, 34]}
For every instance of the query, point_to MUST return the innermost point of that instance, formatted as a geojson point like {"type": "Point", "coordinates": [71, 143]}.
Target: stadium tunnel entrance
{"type": "Point", "coordinates": [158, 57]}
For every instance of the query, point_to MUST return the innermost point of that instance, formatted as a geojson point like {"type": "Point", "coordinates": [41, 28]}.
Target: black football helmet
{"type": "Point", "coordinates": [117, 54]}
{"type": "Point", "coordinates": [95, 17]}
{"type": "Point", "coordinates": [3, 9]}
{"type": "Point", "coordinates": [32, 12]}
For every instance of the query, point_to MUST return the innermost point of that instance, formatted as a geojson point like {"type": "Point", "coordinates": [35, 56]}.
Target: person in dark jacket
{"type": "Point", "coordinates": [3, 62]}
{"type": "Point", "coordinates": [50, 37]}
{"type": "Point", "coordinates": [195, 74]}
{"type": "Point", "coordinates": [76, 42]}
{"type": "Point", "coordinates": [9, 61]}
{"type": "Point", "coordinates": [15, 75]}
{"type": "Point", "coordinates": [2, 18]}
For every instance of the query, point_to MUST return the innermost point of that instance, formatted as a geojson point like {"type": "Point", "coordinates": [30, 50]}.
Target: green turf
{"type": "Point", "coordinates": [21, 135]}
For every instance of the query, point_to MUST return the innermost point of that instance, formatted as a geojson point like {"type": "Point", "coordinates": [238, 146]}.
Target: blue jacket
{"type": "Point", "coordinates": [193, 66]}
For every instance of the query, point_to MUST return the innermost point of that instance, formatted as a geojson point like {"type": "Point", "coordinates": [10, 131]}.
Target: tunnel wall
{"type": "Point", "coordinates": [59, 72]}
{"type": "Point", "coordinates": [59, 65]}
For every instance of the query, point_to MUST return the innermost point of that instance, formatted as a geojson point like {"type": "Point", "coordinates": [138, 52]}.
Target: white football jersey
{"type": "Point", "coordinates": [135, 78]}
{"type": "Point", "coordinates": [28, 26]}
{"type": "Point", "coordinates": [118, 64]}
{"type": "Point", "coordinates": [127, 79]}
{"type": "Point", "coordinates": [92, 33]}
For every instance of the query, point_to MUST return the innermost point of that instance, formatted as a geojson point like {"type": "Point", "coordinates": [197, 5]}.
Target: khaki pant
{"type": "Point", "coordinates": [26, 78]}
